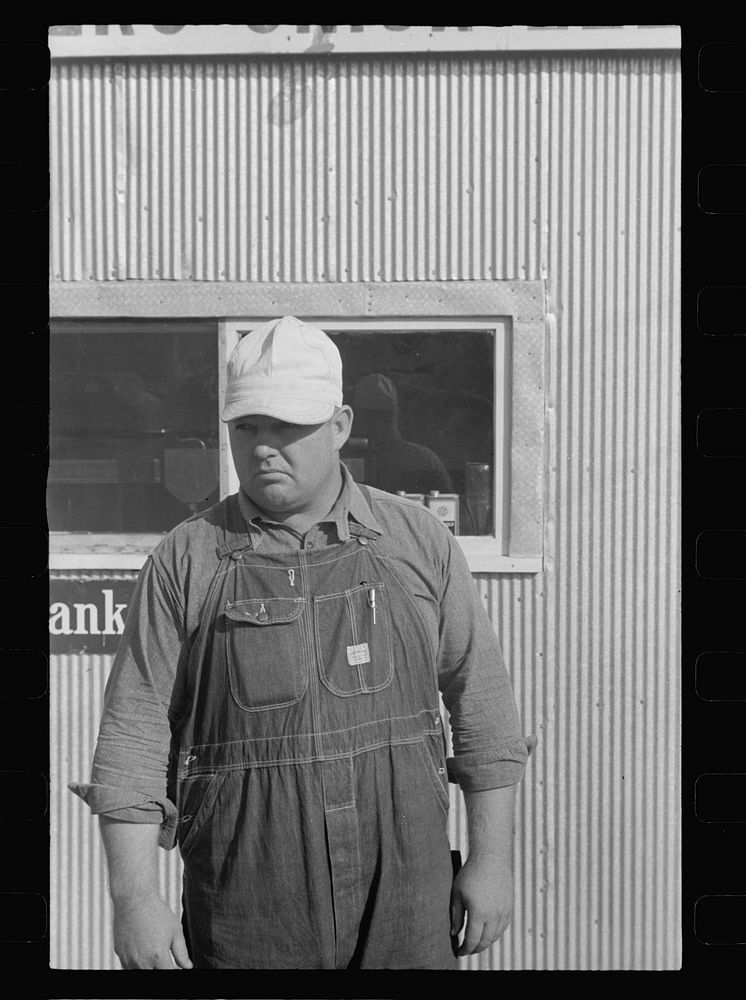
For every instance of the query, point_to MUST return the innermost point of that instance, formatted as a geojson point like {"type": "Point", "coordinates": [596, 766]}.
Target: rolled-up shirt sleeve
{"type": "Point", "coordinates": [489, 750]}
{"type": "Point", "coordinates": [130, 764]}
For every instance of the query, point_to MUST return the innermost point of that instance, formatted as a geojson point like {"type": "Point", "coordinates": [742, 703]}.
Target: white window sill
{"type": "Point", "coordinates": [104, 551]}
{"type": "Point", "coordinates": [483, 555]}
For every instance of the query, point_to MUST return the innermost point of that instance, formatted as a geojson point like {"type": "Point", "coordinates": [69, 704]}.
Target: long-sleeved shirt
{"type": "Point", "coordinates": [144, 696]}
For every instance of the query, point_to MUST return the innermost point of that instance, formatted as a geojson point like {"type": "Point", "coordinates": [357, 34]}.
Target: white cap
{"type": "Point", "coordinates": [284, 369]}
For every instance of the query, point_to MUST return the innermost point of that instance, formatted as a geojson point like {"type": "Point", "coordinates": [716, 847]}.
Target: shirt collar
{"type": "Point", "coordinates": [349, 504]}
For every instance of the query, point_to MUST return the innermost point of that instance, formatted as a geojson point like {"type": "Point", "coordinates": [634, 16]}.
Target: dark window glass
{"type": "Point", "coordinates": [424, 418]}
{"type": "Point", "coordinates": [134, 425]}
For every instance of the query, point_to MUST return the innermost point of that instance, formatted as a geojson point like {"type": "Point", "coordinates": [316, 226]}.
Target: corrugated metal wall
{"type": "Point", "coordinates": [80, 910]}
{"type": "Point", "coordinates": [562, 168]}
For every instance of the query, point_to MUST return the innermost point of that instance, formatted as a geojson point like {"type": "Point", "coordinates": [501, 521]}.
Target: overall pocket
{"type": "Point", "coordinates": [265, 652]}
{"type": "Point", "coordinates": [197, 798]}
{"type": "Point", "coordinates": [353, 639]}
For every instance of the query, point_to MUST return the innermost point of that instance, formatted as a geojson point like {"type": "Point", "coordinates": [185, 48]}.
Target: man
{"type": "Point", "coordinates": [399, 464]}
{"type": "Point", "coordinates": [287, 646]}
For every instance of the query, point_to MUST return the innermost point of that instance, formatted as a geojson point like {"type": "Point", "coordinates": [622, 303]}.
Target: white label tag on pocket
{"type": "Point", "coordinates": [358, 654]}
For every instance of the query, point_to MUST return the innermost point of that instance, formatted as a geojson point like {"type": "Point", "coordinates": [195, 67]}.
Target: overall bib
{"type": "Point", "coordinates": [310, 771]}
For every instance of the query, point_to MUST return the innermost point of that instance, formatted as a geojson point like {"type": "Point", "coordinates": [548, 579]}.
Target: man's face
{"type": "Point", "coordinates": [287, 467]}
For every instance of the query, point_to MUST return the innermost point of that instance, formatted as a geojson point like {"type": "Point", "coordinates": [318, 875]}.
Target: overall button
{"type": "Point", "coordinates": [309, 545]}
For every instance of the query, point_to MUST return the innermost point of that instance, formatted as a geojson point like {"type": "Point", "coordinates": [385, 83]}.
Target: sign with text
{"type": "Point", "coordinates": [71, 40]}
{"type": "Point", "coordinates": [87, 616]}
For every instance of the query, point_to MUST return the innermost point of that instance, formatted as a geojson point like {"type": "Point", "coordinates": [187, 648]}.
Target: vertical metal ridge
{"type": "Point", "coordinates": [96, 188]}
{"type": "Point", "coordinates": [80, 910]}
{"type": "Point", "coordinates": [75, 223]}
{"type": "Point", "coordinates": [672, 520]}
{"type": "Point", "coordinates": [171, 179]}
{"type": "Point", "coordinates": [347, 207]}
{"type": "Point", "coordinates": [56, 187]}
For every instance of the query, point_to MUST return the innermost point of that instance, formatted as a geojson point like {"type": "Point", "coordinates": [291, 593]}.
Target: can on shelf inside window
{"type": "Point", "coordinates": [444, 506]}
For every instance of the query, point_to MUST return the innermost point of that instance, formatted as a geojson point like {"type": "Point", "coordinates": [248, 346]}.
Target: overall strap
{"type": "Point", "coordinates": [365, 491]}
{"type": "Point", "coordinates": [231, 536]}
{"type": "Point", "coordinates": [359, 530]}
{"type": "Point", "coordinates": [364, 531]}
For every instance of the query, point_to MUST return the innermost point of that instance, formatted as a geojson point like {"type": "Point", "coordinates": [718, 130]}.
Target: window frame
{"type": "Point", "coordinates": [516, 311]}
{"type": "Point", "coordinates": [484, 548]}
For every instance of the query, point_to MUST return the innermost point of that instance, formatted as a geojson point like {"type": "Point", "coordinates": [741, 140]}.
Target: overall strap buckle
{"type": "Point", "coordinates": [229, 548]}
{"type": "Point", "coordinates": [360, 531]}
{"type": "Point", "coordinates": [232, 535]}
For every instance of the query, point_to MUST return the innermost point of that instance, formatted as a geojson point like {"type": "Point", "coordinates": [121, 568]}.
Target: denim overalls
{"type": "Point", "coordinates": [310, 769]}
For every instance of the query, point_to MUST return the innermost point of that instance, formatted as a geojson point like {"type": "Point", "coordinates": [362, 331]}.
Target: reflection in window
{"type": "Point", "coordinates": [424, 418]}
{"type": "Point", "coordinates": [134, 426]}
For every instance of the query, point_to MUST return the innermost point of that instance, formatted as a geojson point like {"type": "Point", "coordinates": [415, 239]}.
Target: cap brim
{"type": "Point", "coordinates": [292, 411]}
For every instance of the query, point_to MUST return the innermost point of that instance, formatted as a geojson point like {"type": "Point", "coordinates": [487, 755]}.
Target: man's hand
{"type": "Point", "coordinates": [147, 935]}
{"type": "Point", "coordinates": [483, 890]}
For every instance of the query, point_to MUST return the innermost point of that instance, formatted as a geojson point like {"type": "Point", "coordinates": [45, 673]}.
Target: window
{"type": "Point", "coordinates": [134, 425]}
